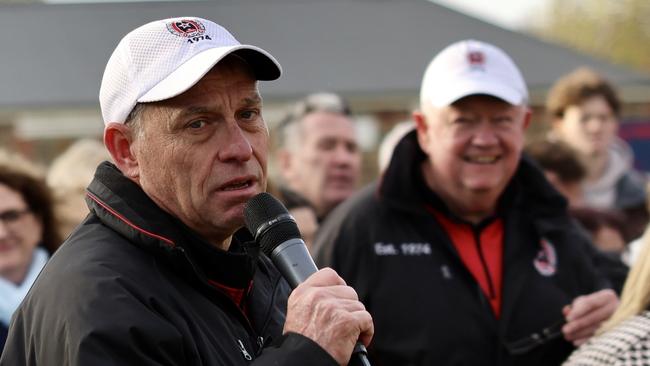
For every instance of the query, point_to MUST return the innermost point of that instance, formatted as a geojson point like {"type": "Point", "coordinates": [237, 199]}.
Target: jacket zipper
{"type": "Point", "coordinates": [483, 298]}
{"type": "Point", "coordinates": [479, 249]}
{"type": "Point", "coordinates": [260, 344]}
{"type": "Point", "coordinates": [244, 352]}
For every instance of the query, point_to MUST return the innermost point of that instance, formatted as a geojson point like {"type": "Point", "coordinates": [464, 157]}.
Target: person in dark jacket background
{"type": "Point", "coordinates": [160, 273]}
{"type": "Point", "coordinates": [463, 252]}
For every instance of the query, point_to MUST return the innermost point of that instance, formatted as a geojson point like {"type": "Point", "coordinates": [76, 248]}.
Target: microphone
{"type": "Point", "coordinates": [279, 238]}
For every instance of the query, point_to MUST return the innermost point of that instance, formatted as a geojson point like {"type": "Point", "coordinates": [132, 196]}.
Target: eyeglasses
{"type": "Point", "coordinates": [12, 216]}
{"type": "Point", "coordinates": [527, 344]}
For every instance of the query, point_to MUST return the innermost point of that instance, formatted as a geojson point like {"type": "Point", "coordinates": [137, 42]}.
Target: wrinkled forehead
{"type": "Point", "coordinates": [220, 90]}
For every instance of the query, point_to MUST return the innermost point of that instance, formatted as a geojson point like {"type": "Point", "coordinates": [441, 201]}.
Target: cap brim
{"type": "Point", "coordinates": [264, 66]}
{"type": "Point", "coordinates": [473, 86]}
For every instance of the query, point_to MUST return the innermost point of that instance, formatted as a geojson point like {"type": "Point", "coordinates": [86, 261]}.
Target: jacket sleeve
{"type": "Point", "coordinates": [147, 340]}
{"type": "Point", "coordinates": [295, 349]}
{"type": "Point", "coordinates": [94, 332]}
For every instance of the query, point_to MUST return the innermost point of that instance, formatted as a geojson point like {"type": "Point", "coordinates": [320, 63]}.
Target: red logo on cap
{"type": "Point", "coordinates": [476, 58]}
{"type": "Point", "coordinates": [186, 28]}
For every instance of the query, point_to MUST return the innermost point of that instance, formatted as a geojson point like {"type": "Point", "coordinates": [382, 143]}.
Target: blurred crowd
{"type": "Point", "coordinates": [318, 163]}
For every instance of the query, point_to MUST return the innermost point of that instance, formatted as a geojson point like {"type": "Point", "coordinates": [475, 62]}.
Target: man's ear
{"type": "Point", "coordinates": [421, 126]}
{"type": "Point", "coordinates": [118, 139]}
{"type": "Point", "coordinates": [528, 117]}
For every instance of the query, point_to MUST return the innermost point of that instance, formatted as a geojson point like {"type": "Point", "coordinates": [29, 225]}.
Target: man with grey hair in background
{"type": "Point", "coordinates": [318, 157]}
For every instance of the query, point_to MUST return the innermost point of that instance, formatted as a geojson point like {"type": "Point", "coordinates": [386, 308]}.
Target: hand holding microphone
{"type": "Point", "coordinates": [321, 307]}
{"type": "Point", "coordinates": [324, 309]}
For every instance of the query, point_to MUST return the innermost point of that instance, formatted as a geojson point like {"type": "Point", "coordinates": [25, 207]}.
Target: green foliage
{"type": "Point", "coordinates": [616, 30]}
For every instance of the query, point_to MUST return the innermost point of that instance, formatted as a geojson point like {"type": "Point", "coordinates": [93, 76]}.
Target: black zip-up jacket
{"type": "Point", "coordinates": [134, 286]}
{"type": "Point", "coordinates": [427, 307]}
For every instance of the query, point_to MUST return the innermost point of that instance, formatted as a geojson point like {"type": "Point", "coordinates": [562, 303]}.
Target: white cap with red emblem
{"type": "Point", "coordinates": [164, 58]}
{"type": "Point", "coordinates": [472, 67]}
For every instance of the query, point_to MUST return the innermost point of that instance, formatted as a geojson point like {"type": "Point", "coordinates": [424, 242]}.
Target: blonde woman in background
{"type": "Point", "coordinates": [624, 340]}
{"type": "Point", "coordinates": [68, 178]}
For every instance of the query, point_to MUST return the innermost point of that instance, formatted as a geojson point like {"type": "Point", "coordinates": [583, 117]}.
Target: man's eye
{"type": "Point", "coordinates": [248, 114]}
{"type": "Point", "coordinates": [327, 144]}
{"type": "Point", "coordinates": [462, 120]}
{"type": "Point", "coordinates": [195, 125]}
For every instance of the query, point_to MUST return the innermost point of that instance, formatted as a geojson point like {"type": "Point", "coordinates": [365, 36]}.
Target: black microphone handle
{"type": "Point", "coordinates": [294, 262]}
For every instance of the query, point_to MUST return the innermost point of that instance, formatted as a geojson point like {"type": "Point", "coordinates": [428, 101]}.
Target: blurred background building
{"type": "Point", "coordinates": [373, 52]}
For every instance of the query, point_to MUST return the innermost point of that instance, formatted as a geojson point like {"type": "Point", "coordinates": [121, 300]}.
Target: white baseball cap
{"type": "Point", "coordinates": [164, 58]}
{"type": "Point", "coordinates": [472, 67]}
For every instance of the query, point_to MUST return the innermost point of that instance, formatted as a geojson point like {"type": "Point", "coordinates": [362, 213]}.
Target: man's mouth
{"type": "Point", "coordinates": [238, 184]}
{"type": "Point", "coordinates": [482, 159]}
{"type": "Point", "coordinates": [340, 180]}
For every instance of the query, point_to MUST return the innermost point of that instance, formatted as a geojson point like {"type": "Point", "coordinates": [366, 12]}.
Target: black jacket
{"type": "Point", "coordinates": [3, 336]}
{"type": "Point", "coordinates": [134, 286]}
{"type": "Point", "coordinates": [427, 307]}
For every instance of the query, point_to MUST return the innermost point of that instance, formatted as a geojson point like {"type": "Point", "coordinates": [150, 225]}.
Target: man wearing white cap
{"type": "Point", "coordinates": [463, 253]}
{"type": "Point", "coordinates": [160, 273]}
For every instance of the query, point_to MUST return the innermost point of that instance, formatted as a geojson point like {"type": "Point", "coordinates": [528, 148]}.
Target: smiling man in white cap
{"type": "Point", "coordinates": [463, 253]}
{"type": "Point", "coordinates": [160, 273]}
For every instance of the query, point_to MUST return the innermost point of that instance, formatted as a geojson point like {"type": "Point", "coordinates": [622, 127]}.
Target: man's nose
{"type": "Point", "coordinates": [4, 230]}
{"type": "Point", "coordinates": [485, 135]}
{"type": "Point", "coordinates": [343, 154]}
{"type": "Point", "coordinates": [594, 124]}
{"type": "Point", "coordinates": [235, 145]}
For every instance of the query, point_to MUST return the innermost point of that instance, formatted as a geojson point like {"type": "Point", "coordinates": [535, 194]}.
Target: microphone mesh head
{"type": "Point", "coordinates": [263, 208]}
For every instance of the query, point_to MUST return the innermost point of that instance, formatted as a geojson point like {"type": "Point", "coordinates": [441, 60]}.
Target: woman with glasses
{"type": "Point", "coordinates": [28, 233]}
{"type": "Point", "coordinates": [624, 340]}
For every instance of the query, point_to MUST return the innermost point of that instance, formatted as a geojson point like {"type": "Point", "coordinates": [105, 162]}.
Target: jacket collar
{"type": "Point", "coordinates": [124, 207]}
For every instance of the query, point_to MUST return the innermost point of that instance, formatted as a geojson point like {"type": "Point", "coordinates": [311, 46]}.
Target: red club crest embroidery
{"type": "Point", "coordinates": [186, 28]}
{"type": "Point", "coordinates": [546, 260]}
